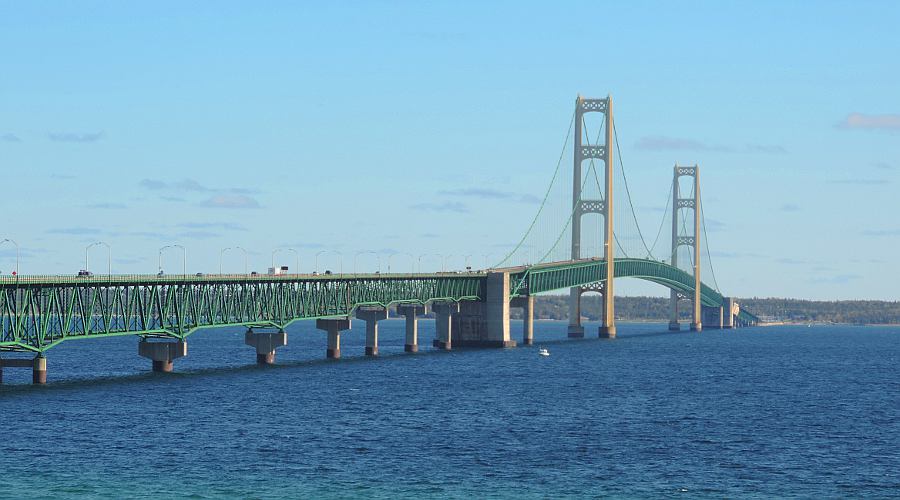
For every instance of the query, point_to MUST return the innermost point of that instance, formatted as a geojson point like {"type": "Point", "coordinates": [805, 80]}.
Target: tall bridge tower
{"type": "Point", "coordinates": [680, 238]}
{"type": "Point", "coordinates": [581, 206]}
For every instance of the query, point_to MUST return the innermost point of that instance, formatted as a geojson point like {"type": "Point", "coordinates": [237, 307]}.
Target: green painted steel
{"type": "Point", "coordinates": [40, 312]}
{"type": "Point", "coordinates": [555, 276]}
{"type": "Point", "coordinates": [561, 275]}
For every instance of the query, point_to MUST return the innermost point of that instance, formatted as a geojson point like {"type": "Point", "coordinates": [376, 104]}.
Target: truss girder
{"type": "Point", "coordinates": [38, 315]}
{"type": "Point", "coordinates": [561, 275]}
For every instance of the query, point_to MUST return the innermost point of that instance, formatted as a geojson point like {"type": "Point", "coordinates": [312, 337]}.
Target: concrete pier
{"type": "Point", "coordinates": [731, 311]}
{"type": "Point", "coordinates": [371, 315]}
{"type": "Point", "coordinates": [163, 354]}
{"type": "Point", "coordinates": [38, 366]}
{"type": "Point", "coordinates": [485, 324]}
{"type": "Point", "coordinates": [674, 326]}
{"type": "Point", "coordinates": [576, 329]}
{"type": "Point", "coordinates": [39, 370]}
{"type": "Point", "coordinates": [443, 316]}
{"type": "Point", "coordinates": [334, 327]}
{"type": "Point", "coordinates": [713, 317]}
{"type": "Point", "coordinates": [527, 305]}
{"type": "Point", "coordinates": [265, 344]}
{"type": "Point", "coordinates": [608, 329]}
{"type": "Point", "coordinates": [412, 313]}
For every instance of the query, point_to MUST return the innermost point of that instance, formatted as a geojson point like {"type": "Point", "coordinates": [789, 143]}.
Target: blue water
{"type": "Point", "coordinates": [758, 412]}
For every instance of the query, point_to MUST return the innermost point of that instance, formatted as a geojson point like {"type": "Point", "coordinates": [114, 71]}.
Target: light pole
{"type": "Point", "coordinates": [320, 252]}
{"type": "Point", "coordinates": [412, 261]}
{"type": "Point", "coordinates": [486, 255]}
{"type": "Point", "coordinates": [356, 258]}
{"type": "Point", "coordinates": [245, 257]}
{"type": "Point", "coordinates": [222, 252]}
{"type": "Point", "coordinates": [274, 252]}
{"type": "Point", "coordinates": [183, 258]}
{"type": "Point", "coordinates": [87, 260]}
{"type": "Point", "coordinates": [444, 261]}
{"type": "Point", "coordinates": [17, 252]}
{"type": "Point", "coordinates": [467, 257]}
{"type": "Point", "coordinates": [419, 260]}
{"type": "Point", "coordinates": [340, 259]}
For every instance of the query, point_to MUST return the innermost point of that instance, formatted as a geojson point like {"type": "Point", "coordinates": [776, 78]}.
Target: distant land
{"type": "Point", "coordinates": [860, 312]}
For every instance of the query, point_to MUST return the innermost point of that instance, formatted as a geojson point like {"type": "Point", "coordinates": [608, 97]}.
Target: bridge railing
{"type": "Point", "coordinates": [57, 279]}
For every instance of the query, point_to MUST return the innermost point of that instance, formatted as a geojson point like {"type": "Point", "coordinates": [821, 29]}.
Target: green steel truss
{"type": "Point", "coordinates": [559, 275]}
{"type": "Point", "coordinates": [38, 313]}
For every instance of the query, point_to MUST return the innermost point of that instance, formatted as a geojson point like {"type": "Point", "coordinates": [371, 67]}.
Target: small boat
{"type": "Point", "coordinates": [543, 352]}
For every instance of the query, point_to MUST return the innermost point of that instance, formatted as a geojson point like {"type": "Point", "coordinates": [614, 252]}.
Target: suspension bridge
{"type": "Point", "coordinates": [471, 308]}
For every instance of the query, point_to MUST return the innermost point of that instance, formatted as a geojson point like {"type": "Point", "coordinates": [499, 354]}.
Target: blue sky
{"type": "Point", "coordinates": [431, 127]}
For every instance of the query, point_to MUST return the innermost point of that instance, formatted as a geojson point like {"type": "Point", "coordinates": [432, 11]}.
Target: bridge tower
{"type": "Point", "coordinates": [678, 240]}
{"type": "Point", "coordinates": [581, 206]}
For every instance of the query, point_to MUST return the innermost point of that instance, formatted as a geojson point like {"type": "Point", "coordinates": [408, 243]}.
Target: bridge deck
{"type": "Point", "coordinates": [38, 312]}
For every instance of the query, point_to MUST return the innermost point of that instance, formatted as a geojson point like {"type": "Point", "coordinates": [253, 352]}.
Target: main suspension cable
{"type": "Point", "coordinates": [546, 195]}
{"type": "Point", "coordinates": [628, 191]}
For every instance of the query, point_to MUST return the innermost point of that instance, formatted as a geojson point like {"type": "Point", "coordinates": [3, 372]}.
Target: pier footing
{"type": "Point", "coordinates": [265, 344]}
{"type": "Point", "coordinates": [163, 354]}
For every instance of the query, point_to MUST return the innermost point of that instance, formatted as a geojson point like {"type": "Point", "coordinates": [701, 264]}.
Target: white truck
{"type": "Point", "coordinates": [277, 271]}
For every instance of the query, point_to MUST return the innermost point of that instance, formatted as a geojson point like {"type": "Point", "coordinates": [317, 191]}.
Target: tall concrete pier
{"type": "Point", "coordinates": [333, 327]}
{"type": "Point", "coordinates": [443, 324]}
{"type": "Point", "coordinates": [527, 305]}
{"type": "Point", "coordinates": [412, 313]}
{"type": "Point", "coordinates": [371, 315]}
{"type": "Point", "coordinates": [486, 323]}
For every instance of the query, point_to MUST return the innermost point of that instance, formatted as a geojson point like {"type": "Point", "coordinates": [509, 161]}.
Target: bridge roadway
{"type": "Point", "coordinates": [40, 312]}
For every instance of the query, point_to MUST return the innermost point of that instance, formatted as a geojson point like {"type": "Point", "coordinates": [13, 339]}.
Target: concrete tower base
{"type": "Point", "coordinates": [576, 332]}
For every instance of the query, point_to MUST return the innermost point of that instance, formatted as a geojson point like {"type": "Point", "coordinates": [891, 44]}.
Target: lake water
{"type": "Point", "coordinates": [757, 412]}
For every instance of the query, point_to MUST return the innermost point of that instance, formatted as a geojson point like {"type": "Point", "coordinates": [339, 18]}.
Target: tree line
{"type": "Point", "coordinates": [769, 309]}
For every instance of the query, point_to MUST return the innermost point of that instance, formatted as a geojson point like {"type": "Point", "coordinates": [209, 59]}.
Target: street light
{"type": "Point", "coordinates": [356, 258]}
{"type": "Point", "coordinates": [412, 261]}
{"type": "Point", "coordinates": [274, 252]}
{"type": "Point", "coordinates": [87, 260]}
{"type": "Point", "coordinates": [183, 258]}
{"type": "Point", "coordinates": [419, 260]}
{"type": "Point", "coordinates": [467, 257]}
{"type": "Point", "coordinates": [486, 255]}
{"type": "Point", "coordinates": [222, 252]}
{"type": "Point", "coordinates": [340, 261]}
{"type": "Point", "coordinates": [444, 261]}
{"type": "Point", "coordinates": [17, 252]}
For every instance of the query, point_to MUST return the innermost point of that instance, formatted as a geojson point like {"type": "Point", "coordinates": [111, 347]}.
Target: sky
{"type": "Point", "coordinates": [430, 128]}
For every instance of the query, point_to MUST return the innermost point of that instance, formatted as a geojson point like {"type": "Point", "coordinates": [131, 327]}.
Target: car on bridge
{"type": "Point", "coordinates": [84, 273]}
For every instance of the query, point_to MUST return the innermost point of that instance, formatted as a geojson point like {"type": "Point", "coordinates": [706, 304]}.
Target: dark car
{"type": "Point", "coordinates": [84, 274]}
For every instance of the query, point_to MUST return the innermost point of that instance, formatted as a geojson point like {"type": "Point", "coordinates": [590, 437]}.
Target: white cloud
{"type": "Point", "coordinates": [871, 122]}
{"type": "Point", "coordinates": [230, 201]}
